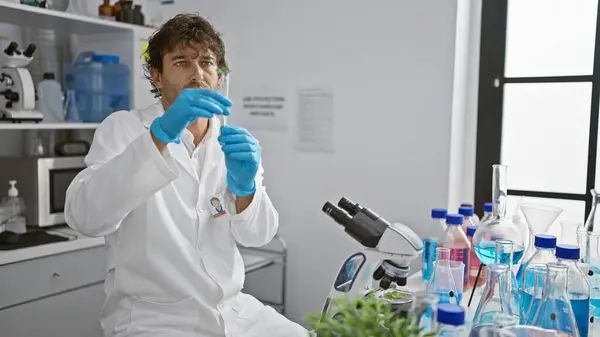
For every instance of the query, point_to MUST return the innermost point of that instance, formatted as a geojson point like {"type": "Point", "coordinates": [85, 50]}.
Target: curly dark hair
{"type": "Point", "coordinates": [178, 31]}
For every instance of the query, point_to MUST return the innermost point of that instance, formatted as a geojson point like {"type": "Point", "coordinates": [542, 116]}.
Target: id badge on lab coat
{"type": "Point", "coordinates": [217, 206]}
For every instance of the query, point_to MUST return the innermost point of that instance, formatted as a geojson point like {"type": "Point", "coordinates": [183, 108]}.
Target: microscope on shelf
{"type": "Point", "coordinates": [383, 265]}
{"type": "Point", "coordinates": [17, 91]}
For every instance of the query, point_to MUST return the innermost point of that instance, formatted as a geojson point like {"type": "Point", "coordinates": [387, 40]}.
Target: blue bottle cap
{"type": "Point", "coordinates": [439, 213]}
{"type": "Point", "coordinates": [488, 207]}
{"type": "Point", "coordinates": [471, 230]}
{"type": "Point", "coordinates": [545, 241]}
{"type": "Point", "coordinates": [454, 219]}
{"type": "Point", "coordinates": [567, 252]}
{"type": "Point", "coordinates": [105, 58]}
{"type": "Point", "coordinates": [465, 210]}
{"type": "Point", "coordinates": [450, 314]}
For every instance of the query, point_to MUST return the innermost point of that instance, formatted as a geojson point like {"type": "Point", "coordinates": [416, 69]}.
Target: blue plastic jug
{"type": "Point", "coordinates": [101, 84]}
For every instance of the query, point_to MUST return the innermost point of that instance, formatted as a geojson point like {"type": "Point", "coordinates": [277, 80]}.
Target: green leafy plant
{"type": "Point", "coordinates": [365, 317]}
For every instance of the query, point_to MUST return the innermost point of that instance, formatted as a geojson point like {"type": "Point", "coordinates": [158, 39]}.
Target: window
{"type": "Point", "coordinates": [539, 95]}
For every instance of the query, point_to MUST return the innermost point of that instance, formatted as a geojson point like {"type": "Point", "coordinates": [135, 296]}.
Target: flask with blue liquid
{"type": "Point", "coordinates": [528, 276]}
{"type": "Point", "coordinates": [578, 288]}
{"type": "Point", "coordinates": [555, 311]}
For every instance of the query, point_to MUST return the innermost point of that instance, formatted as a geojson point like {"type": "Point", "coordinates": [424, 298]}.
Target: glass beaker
{"type": "Point", "coordinates": [539, 218]}
{"type": "Point", "coordinates": [448, 277]}
{"type": "Point", "coordinates": [504, 255]}
{"type": "Point", "coordinates": [496, 296]}
{"type": "Point", "coordinates": [568, 232]}
{"type": "Point", "coordinates": [499, 227]}
{"type": "Point", "coordinates": [555, 310]}
{"type": "Point", "coordinates": [589, 243]}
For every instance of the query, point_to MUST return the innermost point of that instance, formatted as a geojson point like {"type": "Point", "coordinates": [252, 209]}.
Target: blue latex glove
{"type": "Point", "coordinates": [189, 105]}
{"type": "Point", "coordinates": [242, 158]}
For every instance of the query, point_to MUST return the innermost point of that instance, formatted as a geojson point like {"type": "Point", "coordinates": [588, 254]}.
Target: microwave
{"type": "Point", "coordinates": [42, 183]}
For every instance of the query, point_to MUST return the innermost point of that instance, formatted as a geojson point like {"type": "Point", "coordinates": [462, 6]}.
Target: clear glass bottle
{"type": "Point", "coordinates": [475, 266]}
{"type": "Point", "coordinates": [438, 216]}
{"type": "Point", "coordinates": [578, 288]}
{"type": "Point", "coordinates": [487, 212]}
{"type": "Point", "coordinates": [592, 222]}
{"type": "Point", "coordinates": [528, 277]}
{"type": "Point", "coordinates": [467, 212]}
{"type": "Point", "coordinates": [475, 217]}
{"type": "Point", "coordinates": [456, 239]}
{"type": "Point", "coordinates": [543, 253]}
{"type": "Point", "coordinates": [589, 243]}
{"type": "Point", "coordinates": [451, 320]}
{"type": "Point", "coordinates": [442, 282]}
{"type": "Point", "coordinates": [499, 227]}
{"type": "Point", "coordinates": [539, 218]}
{"type": "Point", "coordinates": [555, 310]}
{"type": "Point", "coordinates": [504, 255]}
{"type": "Point", "coordinates": [495, 297]}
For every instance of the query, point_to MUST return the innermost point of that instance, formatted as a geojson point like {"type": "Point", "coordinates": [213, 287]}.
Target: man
{"type": "Point", "coordinates": [173, 269]}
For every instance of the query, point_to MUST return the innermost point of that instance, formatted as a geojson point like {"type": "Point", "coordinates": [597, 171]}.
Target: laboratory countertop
{"type": "Point", "coordinates": [253, 259]}
{"type": "Point", "coordinates": [77, 241]}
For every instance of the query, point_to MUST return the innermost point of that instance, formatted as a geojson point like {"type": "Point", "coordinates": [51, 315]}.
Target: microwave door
{"type": "Point", "coordinates": [54, 179]}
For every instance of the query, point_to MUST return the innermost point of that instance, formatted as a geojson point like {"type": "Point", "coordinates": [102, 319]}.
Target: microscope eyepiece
{"type": "Point", "coordinates": [11, 49]}
{"type": "Point", "coordinates": [337, 214]}
{"type": "Point", "coordinates": [30, 49]}
{"type": "Point", "coordinates": [351, 207]}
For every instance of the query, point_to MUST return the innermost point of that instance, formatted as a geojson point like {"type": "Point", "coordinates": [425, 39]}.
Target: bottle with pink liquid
{"type": "Point", "coordinates": [456, 239]}
{"type": "Point", "coordinates": [474, 262]}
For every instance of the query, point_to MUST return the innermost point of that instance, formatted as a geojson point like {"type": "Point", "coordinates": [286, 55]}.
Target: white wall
{"type": "Point", "coordinates": [391, 66]}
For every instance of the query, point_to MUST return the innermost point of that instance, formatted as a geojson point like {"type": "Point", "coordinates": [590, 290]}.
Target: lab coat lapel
{"type": "Point", "coordinates": [178, 151]}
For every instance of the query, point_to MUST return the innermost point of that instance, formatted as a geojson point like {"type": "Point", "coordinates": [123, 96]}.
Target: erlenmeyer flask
{"type": "Point", "coordinates": [499, 227]}
{"type": "Point", "coordinates": [533, 294]}
{"type": "Point", "coordinates": [504, 255]}
{"type": "Point", "coordinates": [555, 310]}
{"type": "Point", "coordinates": [589, 243]}
{"type": "Point", "coordinates": [423, 309]}
{"type": "Point", "coordinates": [539, 218]}
{"type": "Point", "coordinates": [496, 295]}
{"type": "Point", "coordinates": [443, 283]}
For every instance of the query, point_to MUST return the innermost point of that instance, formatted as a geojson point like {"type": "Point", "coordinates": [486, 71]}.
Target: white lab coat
{"type": "Point", "coordinates": [172, 269]}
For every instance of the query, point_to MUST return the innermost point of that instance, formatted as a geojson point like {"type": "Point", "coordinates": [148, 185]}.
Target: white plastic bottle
{"type": "Point", "coordinates": [50, 100]}
{"type": "Point", "coordinates": [14, 209]}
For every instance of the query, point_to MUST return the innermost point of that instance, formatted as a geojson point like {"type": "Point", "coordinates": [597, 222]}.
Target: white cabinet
{"type": "Point", "coordinates": [59, 295]}
{"type": "Point", "coordinates": [74, 313]}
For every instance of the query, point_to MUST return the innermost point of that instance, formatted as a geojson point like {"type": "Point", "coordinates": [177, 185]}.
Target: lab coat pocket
{"type": "Point", "coordinates": [153, 316]}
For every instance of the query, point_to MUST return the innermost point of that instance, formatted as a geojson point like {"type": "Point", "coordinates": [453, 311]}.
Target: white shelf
{"type": "Point", "coordinates": [47, 126]}
{"type": "Point", "coordinates": [30, 16]}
